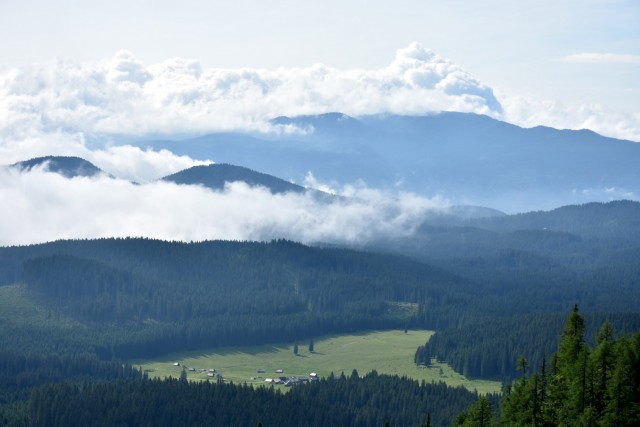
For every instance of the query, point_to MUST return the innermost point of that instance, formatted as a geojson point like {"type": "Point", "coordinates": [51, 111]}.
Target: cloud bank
{"type": "Point", "coordinates": [123, 96]}
{"type": "Point", "coordinates": [71, 108]}
{"type": "Point", "coordinates": [42, 206]}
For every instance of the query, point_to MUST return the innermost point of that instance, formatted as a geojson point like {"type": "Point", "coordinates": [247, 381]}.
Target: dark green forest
{"type": "Point", "coordinates": [491, 347]}
{"type": "Point", "coordinates": [578, 385]}
{"type": "Point", "coordinates": [140, 298]}
{"type": "Point", "coordinates": [493, 290]}
{"type": "Point", "coordinates": [341, 400]}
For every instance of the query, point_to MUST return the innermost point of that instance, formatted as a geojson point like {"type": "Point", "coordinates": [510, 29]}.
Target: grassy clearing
{"type": "Point", "coordinates": [388, 352]}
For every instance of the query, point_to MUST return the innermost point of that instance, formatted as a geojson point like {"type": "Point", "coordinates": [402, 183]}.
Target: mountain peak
{"type": "Point", "coordinates": [215, 176]}
{"type": "Point", "coordinates": [67, 166]}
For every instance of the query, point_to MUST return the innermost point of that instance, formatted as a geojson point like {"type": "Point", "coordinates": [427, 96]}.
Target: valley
{"type": "Point", "coordinates": [386, 352]}
{"type": "Point", "coordinates": [319, 214]}
{"type": "Point", "coordinates": [480, 292]}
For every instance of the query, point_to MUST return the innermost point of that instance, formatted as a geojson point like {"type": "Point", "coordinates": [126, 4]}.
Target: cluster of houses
{"type": "Point", "coordinates": [211, 373]}
{"type": "Point", "coordinates": [283, 380]}
{"type": "Point", "coordinates": [290, 381]}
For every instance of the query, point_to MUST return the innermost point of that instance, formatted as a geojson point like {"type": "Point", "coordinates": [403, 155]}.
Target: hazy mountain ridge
{"type": "Point", "coordinates": [468, 158]}
{"type": "Point", "coordinates": [213, 176]}
{"type": "Point", "coordinates": [585, 237]}
{"type": "Point", "coordinates": [620, 218]}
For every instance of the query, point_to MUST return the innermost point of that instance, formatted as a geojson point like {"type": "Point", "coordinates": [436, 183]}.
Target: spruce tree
{"type": "Point", "coordinates": [582, 387]}
{"type": "Point", "coordinates": [480, 414]}
{"type": "Point", "coordinates": [567, 390]}
{"type": "Point", "coordinates": [603, 365]}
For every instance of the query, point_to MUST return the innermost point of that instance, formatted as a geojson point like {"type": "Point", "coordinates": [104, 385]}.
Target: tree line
{"type": "Point", "coordinates": [579, 385]}
{"type": "Point", "coordinates": [373, 400]}
{"type": "Point", "coordinates": [489, 348]}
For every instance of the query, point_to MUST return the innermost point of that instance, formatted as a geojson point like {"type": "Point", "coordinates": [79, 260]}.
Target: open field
{"type": "Point", "coordinates": [388, 352]}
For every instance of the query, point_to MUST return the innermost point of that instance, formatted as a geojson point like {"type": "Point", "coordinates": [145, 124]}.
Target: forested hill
{"type": "Point", "coordinates": [576, 234]}
{"type": "Point", "coordinates": [592, 249]}
{"type": "Point", "coordinates": [139, 297]}
{"type": "Point", "coordinates": [616, 219]}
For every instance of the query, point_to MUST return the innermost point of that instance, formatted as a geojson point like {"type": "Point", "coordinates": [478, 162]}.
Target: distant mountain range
{"type": "Point", "coordinates": [213, 176]}
{"type": "Point", "coordinates": [466, 158]}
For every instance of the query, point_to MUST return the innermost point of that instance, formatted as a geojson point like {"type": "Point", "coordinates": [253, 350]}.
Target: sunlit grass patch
{"type": "Point", "coordinates": [387, 352]}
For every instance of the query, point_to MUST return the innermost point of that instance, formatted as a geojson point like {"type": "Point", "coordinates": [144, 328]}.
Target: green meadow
{"type": "Point", "coordinates": [387, 352]}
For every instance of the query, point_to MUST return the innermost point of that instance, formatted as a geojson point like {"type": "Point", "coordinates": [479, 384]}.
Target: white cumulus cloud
{"type": "Point", "coordinates": [138, 165]}
{"type": "Point", "coordinates": [123, 96]}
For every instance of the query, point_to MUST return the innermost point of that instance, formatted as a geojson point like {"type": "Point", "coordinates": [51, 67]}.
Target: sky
{"type": "Point", "coordinates": [81, 77]}
{"type": "Point", "coordinates": [569, 64]}
{"type": "Point", "coordinates": [536, 48]}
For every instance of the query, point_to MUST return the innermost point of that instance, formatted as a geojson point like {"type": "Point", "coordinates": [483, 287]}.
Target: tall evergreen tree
{"type": "Point", "coordinates": [480, 414]}
{"type": "Point", "coordinates": [583, 387]}
{"type": "Point", "coordinates": [602, 361]}
{"type": "Point", "coordinates": [567, 391]}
